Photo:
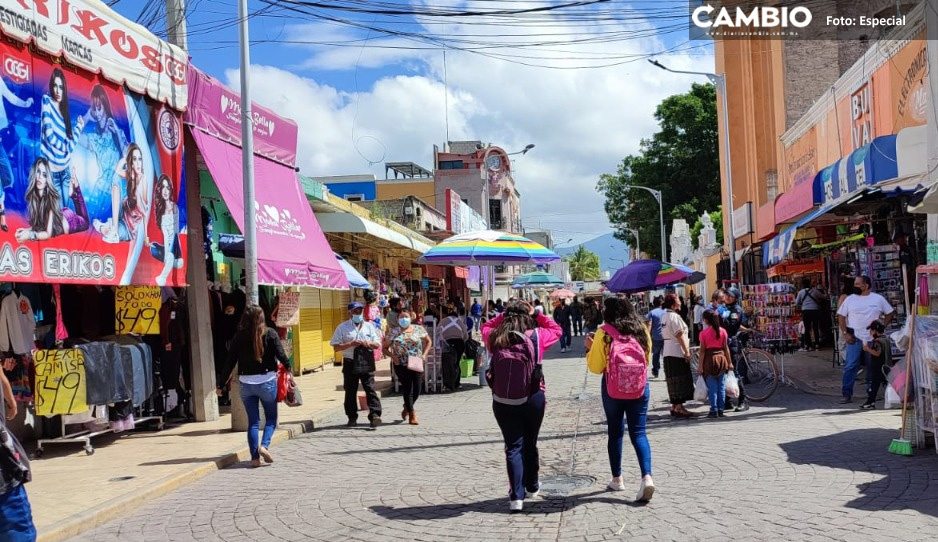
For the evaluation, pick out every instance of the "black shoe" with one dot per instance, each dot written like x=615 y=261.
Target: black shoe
x=720 y=414
x=712 y=414
x=743 y=407
x=352 y=422
x=869 y=405
x=654 y=374
x=376 y=422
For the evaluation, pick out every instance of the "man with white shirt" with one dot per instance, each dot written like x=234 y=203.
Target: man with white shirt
x=357 y=339
x=858 y=311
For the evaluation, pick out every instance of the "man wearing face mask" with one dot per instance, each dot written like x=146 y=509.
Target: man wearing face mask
x=357 y=340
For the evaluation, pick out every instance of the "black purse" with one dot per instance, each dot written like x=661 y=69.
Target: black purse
x=363 y=361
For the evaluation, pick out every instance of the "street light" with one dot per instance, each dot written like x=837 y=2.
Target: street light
x=719 y=80
x=523 y=151
x=657 y=195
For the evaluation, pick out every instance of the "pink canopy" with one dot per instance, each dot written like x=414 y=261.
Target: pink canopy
x=291 y=248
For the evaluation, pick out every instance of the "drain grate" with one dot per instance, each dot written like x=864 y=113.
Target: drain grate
x=562 y=485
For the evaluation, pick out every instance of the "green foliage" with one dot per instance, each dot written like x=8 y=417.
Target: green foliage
x=717 y=218
x=681 y=160
x=584 y=264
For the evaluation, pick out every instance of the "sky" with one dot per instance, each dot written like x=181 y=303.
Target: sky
x=362 y=98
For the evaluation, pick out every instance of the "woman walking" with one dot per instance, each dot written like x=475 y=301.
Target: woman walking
x=517 y=339
x=408 y=345
x=676 y=357
x=715 y=361
x=625 y=327
x=256 y=350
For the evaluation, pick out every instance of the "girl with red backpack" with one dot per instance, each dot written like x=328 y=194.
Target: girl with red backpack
x=621 y=354
x=517 y=339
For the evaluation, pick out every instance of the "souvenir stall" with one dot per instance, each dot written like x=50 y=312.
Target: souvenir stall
x=774 y=313
x=92 y=222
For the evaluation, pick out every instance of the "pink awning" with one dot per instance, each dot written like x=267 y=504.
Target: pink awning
x=797 y=200
x=291 y=248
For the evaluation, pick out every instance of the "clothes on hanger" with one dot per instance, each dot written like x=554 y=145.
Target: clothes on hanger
x=17 y=324
x=174 y=335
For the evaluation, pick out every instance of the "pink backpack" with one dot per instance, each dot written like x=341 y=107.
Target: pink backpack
x=627 y=372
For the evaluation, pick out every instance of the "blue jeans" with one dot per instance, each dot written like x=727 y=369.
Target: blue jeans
x=657 y=346
x=856 y=358
x=635 y=411
x=16 y=517
x=716 y=390
x=565 y=340
x=62 y=180
x=265 y=394
x=520 y=425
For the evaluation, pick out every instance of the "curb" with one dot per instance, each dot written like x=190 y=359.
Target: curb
x=105 y=512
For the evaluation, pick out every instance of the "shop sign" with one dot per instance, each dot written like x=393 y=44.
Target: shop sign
x=93 y=37
x=910 y=83
x=60 y=382
x=288 y=309
x=137 y=310
x=801 y=158
x=216 y=109
x=742 y=220
x=92 y=178
x=861 y=114
x=460 y=217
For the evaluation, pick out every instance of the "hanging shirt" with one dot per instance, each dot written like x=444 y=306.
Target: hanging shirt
x=17 y=324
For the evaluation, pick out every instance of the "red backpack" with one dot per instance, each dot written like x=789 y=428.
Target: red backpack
x=627 y=371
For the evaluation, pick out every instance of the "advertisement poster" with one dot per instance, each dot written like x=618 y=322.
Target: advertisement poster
x=91 y=176
x=60 y=382
x=137 y=310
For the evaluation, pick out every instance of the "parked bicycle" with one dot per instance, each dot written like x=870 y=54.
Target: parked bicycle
x=761 y=373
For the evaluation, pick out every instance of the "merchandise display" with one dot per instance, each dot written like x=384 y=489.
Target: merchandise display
x=772 y=307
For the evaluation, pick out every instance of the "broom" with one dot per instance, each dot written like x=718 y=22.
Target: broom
x=901 y=445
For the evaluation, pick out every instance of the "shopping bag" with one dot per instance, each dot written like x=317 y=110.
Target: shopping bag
x=294 y=398
x=700 y=390
x=732 y=385
x=892 y=398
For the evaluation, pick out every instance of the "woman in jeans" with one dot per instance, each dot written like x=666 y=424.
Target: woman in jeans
x=256 y=349
x=620 y=314
x=715 y=362
x=402 y=343
x=520 y=424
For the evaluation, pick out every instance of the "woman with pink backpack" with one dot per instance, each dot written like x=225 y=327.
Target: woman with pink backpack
x=621 y=354
x=517 y=339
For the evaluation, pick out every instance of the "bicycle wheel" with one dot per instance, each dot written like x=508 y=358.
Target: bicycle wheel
x=694 y=360
x=759 y=374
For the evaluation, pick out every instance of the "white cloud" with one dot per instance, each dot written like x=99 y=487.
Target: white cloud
x=582 y=121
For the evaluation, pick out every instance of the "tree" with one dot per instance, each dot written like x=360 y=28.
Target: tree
x=584 y=265
x=681 y=160
x=717 y=218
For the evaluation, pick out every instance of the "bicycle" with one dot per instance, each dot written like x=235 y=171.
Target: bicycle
x=755 y=366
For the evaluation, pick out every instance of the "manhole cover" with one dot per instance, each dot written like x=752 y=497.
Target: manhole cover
x=564 y=485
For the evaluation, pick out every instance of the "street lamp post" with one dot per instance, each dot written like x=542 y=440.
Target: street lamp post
x=657 y=195
x=719 y=80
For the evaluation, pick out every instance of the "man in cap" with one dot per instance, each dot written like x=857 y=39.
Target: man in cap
x=357 y=340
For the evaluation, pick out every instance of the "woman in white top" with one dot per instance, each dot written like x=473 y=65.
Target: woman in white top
x=167 y=216
x=676 y=357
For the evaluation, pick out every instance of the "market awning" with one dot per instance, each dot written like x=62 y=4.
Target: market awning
x=798 y=199
x=776 y=250
x=351 y=223
x=292 y=249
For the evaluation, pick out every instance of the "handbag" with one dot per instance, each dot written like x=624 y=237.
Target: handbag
x=415 y=364
x=283 y=382
x=294 y=397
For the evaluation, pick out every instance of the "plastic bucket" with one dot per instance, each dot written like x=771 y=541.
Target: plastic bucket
x=465 y=367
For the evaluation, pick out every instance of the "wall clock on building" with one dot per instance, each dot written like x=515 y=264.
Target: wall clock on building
x=494 y=162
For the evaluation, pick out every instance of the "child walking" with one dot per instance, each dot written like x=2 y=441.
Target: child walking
x=715 y=361
x=880 y=351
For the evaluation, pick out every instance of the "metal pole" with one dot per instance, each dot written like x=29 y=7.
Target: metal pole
x=664 y=246
x=176 y=23
x=721 y=86
x=247 y=158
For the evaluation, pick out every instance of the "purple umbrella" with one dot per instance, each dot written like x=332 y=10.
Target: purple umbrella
x=644 y=275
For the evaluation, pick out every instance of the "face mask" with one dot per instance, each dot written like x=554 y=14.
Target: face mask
x=358 y=318
x=404 y=322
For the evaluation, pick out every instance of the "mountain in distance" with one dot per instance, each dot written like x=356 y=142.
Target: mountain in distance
x=607 y=247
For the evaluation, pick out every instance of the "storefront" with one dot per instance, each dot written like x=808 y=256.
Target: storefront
x=292 y=251
x=93 y=221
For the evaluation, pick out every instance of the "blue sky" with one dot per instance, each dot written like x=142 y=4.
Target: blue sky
x=360 y=106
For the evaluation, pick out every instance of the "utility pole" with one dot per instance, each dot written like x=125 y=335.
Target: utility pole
x=247 y=157
x=176 y=23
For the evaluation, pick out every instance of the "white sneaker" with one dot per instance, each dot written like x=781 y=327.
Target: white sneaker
x=516 y=506
x=616 y=486
x=646 y=490
x=532 y=495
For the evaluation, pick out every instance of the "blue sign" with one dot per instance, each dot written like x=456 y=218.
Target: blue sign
x=425 y=284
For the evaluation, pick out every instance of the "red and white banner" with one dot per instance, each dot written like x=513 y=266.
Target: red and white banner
x=93 y=37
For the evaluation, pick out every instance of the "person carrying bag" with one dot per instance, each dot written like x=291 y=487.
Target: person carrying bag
x=715 y=362
x=409 y=345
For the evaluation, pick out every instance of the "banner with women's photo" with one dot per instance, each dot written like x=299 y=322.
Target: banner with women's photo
x=91 y=176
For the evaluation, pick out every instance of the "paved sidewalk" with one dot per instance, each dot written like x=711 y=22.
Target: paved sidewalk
x=72 y=492
x=794 y=468
x=813 y=372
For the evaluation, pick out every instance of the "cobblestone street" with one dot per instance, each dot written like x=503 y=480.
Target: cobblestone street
x=797 y=468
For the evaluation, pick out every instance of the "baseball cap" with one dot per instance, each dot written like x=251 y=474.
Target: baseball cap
x=876 y=326
x=355 y=305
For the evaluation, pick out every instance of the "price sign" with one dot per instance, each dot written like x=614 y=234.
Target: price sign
x=60 y=382
x=288 y=309
x=138 y=310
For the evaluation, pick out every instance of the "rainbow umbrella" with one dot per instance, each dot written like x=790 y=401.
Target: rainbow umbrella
x=644 y=275
x=488 y=247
